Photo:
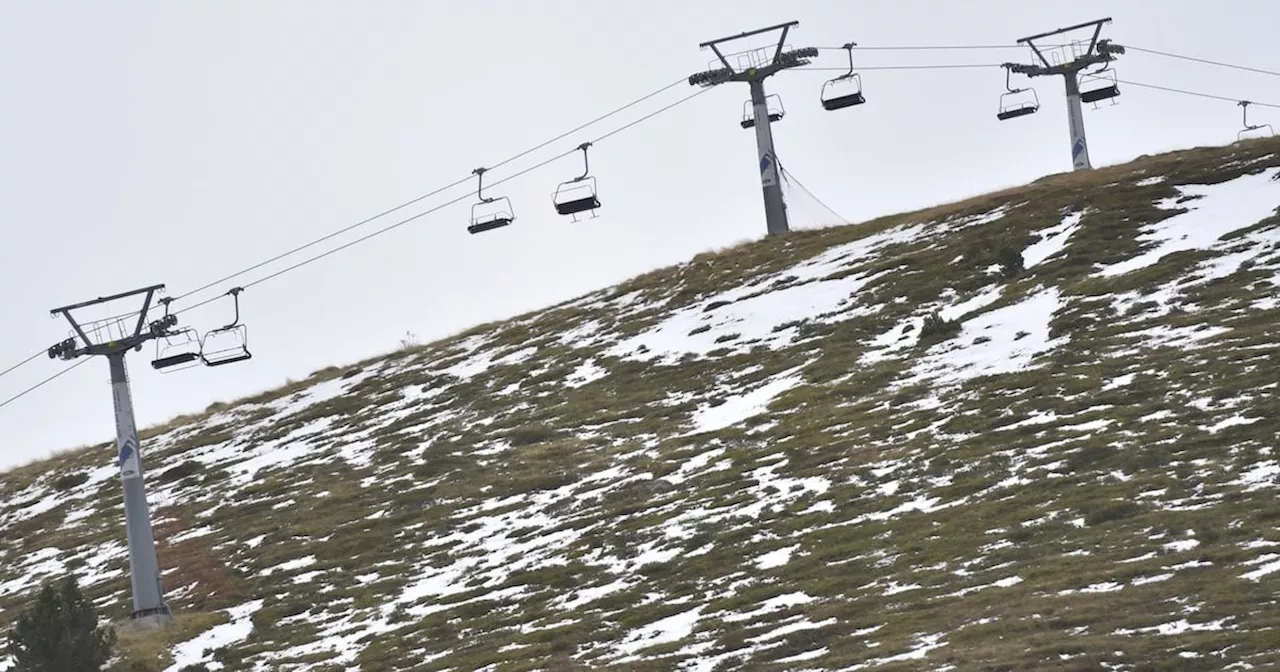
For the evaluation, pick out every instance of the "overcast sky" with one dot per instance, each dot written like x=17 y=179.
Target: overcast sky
x=179 y=142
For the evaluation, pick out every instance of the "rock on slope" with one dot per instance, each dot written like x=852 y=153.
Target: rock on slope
x=1034 y=430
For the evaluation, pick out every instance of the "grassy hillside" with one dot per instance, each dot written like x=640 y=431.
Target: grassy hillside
x=1033 y=430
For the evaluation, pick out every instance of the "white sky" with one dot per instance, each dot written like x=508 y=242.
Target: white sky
x=154 y=142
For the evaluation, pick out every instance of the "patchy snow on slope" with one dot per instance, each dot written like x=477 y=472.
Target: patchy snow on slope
x=48 y=501
x=1268 y=564
x=317 y=393
x=906 y=334
x=1119 y=381
x=773 y=491
x=199 y=649
x=583 y=334
x=1187 y=337
x=1259 y=246
x=925 y=644
x=1261 y=475
x=44 y=563
x=793 y=624
x=902 y=336
x=694 y=465
x=1137 y=305
x=968 y=306
x=343 y=638
x=771 y=605
x=1053 y=240
x=482 y=361
x=90 y=566
x=663 y=631
x=999 y=341
x=584 y=596
x=763 y=310
x=737 y=409
x=489 y=542
x=1176 y=627
x=266 y=455
x=971 y=221
x=587 y=372
x=776 y=558
x=761 y=319
x=1221 y=209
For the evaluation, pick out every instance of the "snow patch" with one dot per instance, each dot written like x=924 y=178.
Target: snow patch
x=1052 y=240
x=1221 y=209
x=200 y=649
x=744 y=406
x=1004 y=340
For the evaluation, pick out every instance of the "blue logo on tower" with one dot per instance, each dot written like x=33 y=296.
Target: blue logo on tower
x=129 y=459
x=1078 y=148
x=767 y=176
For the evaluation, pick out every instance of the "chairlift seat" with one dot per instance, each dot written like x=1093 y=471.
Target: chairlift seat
x=1016 y=103
x=489 y=224
x=228 y=358
x=577 y=205
x=1249 y=131
x=841 y=102
x=846 y=90
x=1014 y=112
x=173 y=350
x=1103 y=93
x=491 y=213
x=750 y=122
x=171 y=361
x=579 y=194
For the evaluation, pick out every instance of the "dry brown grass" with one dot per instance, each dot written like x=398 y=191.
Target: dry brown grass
x=194 y=564
x=22 y=475
x=148 y=650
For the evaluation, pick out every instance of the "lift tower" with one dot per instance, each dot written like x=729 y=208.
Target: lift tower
x=1098 y=52
x=759 y=64
x=113 y=338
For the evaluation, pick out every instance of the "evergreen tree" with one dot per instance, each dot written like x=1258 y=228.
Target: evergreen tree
x=1011 y=262
x=60 y=633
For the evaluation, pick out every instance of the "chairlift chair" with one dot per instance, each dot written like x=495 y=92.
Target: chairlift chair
x=1013 y=104
x=776 y=111
x=845 y=90
x=490 y=212
x=175 y=350
x=1106 y=86
x=579 y=194
x=229 y=343
x=1249 y=128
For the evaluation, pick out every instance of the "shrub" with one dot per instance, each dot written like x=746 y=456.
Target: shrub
x=72 y=480
x=1010 y=260
x=937 y=329
x=60 y=633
